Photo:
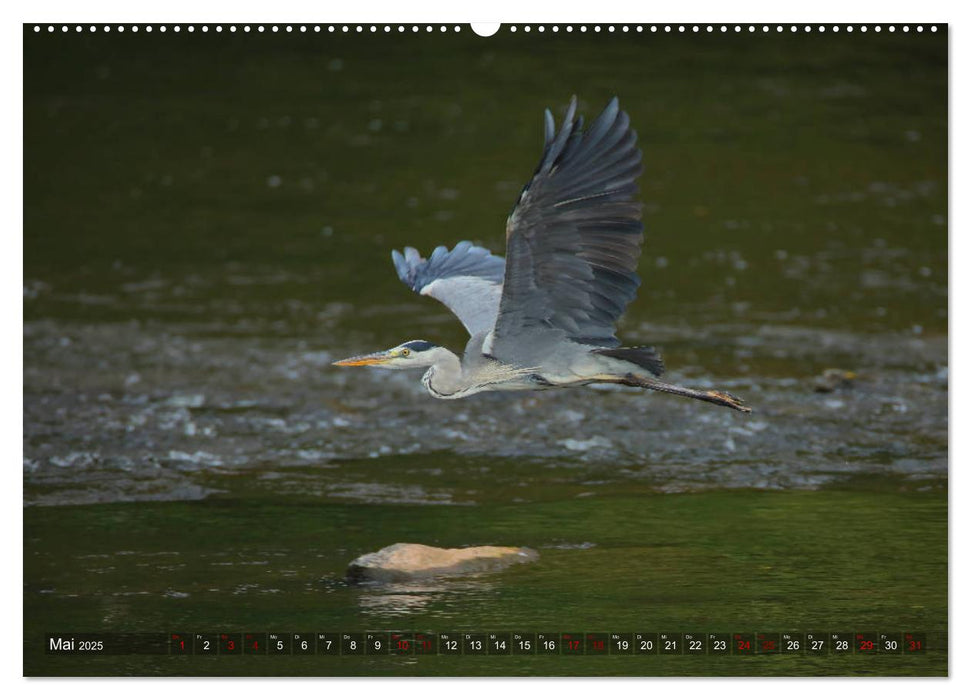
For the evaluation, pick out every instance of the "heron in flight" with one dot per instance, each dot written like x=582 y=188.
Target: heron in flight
x=546 y=315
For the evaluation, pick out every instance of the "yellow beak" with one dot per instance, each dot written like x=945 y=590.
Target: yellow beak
x=375 y=358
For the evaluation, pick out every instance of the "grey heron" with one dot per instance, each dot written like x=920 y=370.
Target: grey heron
x=546 y=315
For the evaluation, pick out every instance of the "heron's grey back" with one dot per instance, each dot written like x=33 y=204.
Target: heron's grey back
x=574 y=238
x=467 y=279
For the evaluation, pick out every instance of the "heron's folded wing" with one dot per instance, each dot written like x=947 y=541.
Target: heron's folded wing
x=467 y=279
x=574 y=237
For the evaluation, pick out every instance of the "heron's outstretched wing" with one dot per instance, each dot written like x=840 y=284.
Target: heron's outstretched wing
x=467 y=279
x=574 y=237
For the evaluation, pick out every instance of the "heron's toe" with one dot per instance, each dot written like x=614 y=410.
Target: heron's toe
x=730 y=400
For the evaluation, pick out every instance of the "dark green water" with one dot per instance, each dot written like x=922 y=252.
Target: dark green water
x=208 y=222
x=797 y=561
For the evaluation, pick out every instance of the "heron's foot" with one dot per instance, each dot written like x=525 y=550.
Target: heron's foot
x=723 y=398
x=720 y=398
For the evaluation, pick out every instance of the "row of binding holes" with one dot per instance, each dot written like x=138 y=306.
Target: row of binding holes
x=344 y=28
x=302 y=28
x=696 y=28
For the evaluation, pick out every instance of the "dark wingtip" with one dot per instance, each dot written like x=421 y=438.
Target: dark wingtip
x=571 y=110
x=549 y=127
x=555 y=144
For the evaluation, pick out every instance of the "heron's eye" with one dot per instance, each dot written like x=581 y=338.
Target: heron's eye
x=405 y=352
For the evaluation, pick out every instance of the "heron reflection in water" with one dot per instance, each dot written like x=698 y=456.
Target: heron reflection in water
x=546 y=315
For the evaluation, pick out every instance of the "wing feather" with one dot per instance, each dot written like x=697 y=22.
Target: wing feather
x=467 y=279
x=574 y=238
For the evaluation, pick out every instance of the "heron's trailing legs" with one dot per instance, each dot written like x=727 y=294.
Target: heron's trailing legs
x=722 y=398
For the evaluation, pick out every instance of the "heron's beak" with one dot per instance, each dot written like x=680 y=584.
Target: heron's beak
x=375 y=358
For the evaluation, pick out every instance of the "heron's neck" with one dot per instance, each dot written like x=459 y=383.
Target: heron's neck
x=444 y=378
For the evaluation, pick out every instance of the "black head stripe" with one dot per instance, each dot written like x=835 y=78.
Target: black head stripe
x=419 y=345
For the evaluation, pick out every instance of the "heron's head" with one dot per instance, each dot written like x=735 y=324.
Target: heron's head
x=410 y=355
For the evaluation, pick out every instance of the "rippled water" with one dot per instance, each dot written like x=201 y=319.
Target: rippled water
x=163 y=408
x=204 y=237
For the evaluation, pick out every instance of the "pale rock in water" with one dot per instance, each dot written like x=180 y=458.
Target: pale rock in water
x=406 y=562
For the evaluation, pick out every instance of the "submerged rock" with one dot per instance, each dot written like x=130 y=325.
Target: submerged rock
x=406 y=562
